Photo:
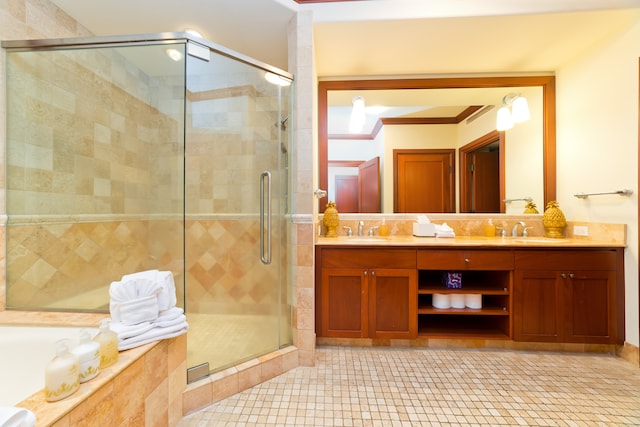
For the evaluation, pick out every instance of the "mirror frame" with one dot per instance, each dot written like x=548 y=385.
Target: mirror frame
x=548 y=84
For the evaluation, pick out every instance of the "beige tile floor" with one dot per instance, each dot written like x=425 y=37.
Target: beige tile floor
x=373 y=386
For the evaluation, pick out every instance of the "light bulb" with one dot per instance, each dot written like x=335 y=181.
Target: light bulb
x=520 y=110
x=504 y=120
x=358 y=117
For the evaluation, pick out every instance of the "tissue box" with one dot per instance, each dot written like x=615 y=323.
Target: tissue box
x=452 y=280
x=424 y=229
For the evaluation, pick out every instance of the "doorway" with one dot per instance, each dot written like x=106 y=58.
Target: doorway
x=482 y=174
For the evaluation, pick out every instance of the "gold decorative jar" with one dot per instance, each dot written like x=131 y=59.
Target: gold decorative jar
x=330 y=220
x=553 y=220
x=530 y=208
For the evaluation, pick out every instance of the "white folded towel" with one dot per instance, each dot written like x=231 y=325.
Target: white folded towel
x=11 y=416
x=139 y=310
x=444 y=230
x=155 y=334
x=127 y=331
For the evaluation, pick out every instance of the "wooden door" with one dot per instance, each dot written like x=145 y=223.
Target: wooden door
x=343 y=301
x=393 y=304
x=423 y=181
x=588 y=298
x=485 y=187
x=369 y=185
x=537 y=312
x=347 y=193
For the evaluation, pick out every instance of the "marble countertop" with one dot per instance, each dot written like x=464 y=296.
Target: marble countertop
x=465 y=241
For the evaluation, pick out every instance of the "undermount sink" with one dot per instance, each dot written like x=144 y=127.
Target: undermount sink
x=538 y=240
x=367 y=238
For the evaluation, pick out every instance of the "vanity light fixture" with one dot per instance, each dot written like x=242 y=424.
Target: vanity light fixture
x=358 y=116
x=515 y=109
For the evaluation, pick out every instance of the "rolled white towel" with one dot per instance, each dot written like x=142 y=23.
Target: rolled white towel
x=167 y=291
x=167 y=296
x=11 y=416
x=119 y=293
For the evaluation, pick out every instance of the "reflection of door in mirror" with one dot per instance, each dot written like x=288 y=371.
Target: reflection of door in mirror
x=361 y=192
x=369 y=185
x=423 y=181
x=482 y=175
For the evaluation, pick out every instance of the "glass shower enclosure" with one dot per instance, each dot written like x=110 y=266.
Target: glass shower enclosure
x=166 y=152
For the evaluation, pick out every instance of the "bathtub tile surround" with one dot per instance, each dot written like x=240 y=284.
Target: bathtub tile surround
x=144 y=387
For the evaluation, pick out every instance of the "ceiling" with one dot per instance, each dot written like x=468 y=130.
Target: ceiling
x=383 y=38
x=377 y=36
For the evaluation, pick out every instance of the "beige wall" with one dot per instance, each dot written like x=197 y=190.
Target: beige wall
x=597 y=142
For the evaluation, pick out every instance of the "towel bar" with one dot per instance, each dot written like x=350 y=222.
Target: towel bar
x=623 y=192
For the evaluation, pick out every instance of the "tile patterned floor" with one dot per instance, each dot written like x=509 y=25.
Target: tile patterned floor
x=373 y=386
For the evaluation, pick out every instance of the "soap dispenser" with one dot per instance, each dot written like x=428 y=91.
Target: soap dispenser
x=88 y=353
x=490 y=229
x=384 y=228
x=62 y=374
x=108 y=341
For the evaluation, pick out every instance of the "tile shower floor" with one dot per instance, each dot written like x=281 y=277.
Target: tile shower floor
x=373 y=386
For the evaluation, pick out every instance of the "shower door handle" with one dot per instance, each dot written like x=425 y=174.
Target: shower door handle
x=265 y=259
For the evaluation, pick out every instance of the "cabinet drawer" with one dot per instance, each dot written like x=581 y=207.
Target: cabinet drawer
x=569 y=260
x=368 y=258
x=465 y=260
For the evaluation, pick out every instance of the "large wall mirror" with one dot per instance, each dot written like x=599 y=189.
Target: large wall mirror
x=450 y=119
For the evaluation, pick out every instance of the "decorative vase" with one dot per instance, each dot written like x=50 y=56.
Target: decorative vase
x=530 y=208
x=331 y=220
x=553 y=220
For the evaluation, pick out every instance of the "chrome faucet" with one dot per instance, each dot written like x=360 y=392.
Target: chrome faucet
x=514 y=230
x=373 y=229
x=361 y=228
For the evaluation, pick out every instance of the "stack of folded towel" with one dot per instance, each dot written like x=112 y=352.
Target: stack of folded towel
x=143 y=309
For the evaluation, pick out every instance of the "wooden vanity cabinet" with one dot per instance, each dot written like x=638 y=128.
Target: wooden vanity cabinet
x=485 y=272
x=572 y=296
x=366 y=293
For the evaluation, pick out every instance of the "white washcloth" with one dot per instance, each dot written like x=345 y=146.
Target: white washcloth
x=119 y=293
x=11 y=416
x=154 y=334
x=167 y=291
x=444 y=230
x=128 y=331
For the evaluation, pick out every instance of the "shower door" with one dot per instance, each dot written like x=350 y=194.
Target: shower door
x=237 y=299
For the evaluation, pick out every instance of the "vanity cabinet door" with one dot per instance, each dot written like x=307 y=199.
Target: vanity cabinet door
x=568 y=296
x=537 y=306
x=366 y=293
x=343 y=303
x=393 y=303
x=589 y=306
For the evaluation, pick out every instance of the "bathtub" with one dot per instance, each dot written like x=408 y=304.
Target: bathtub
x=24 y=354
